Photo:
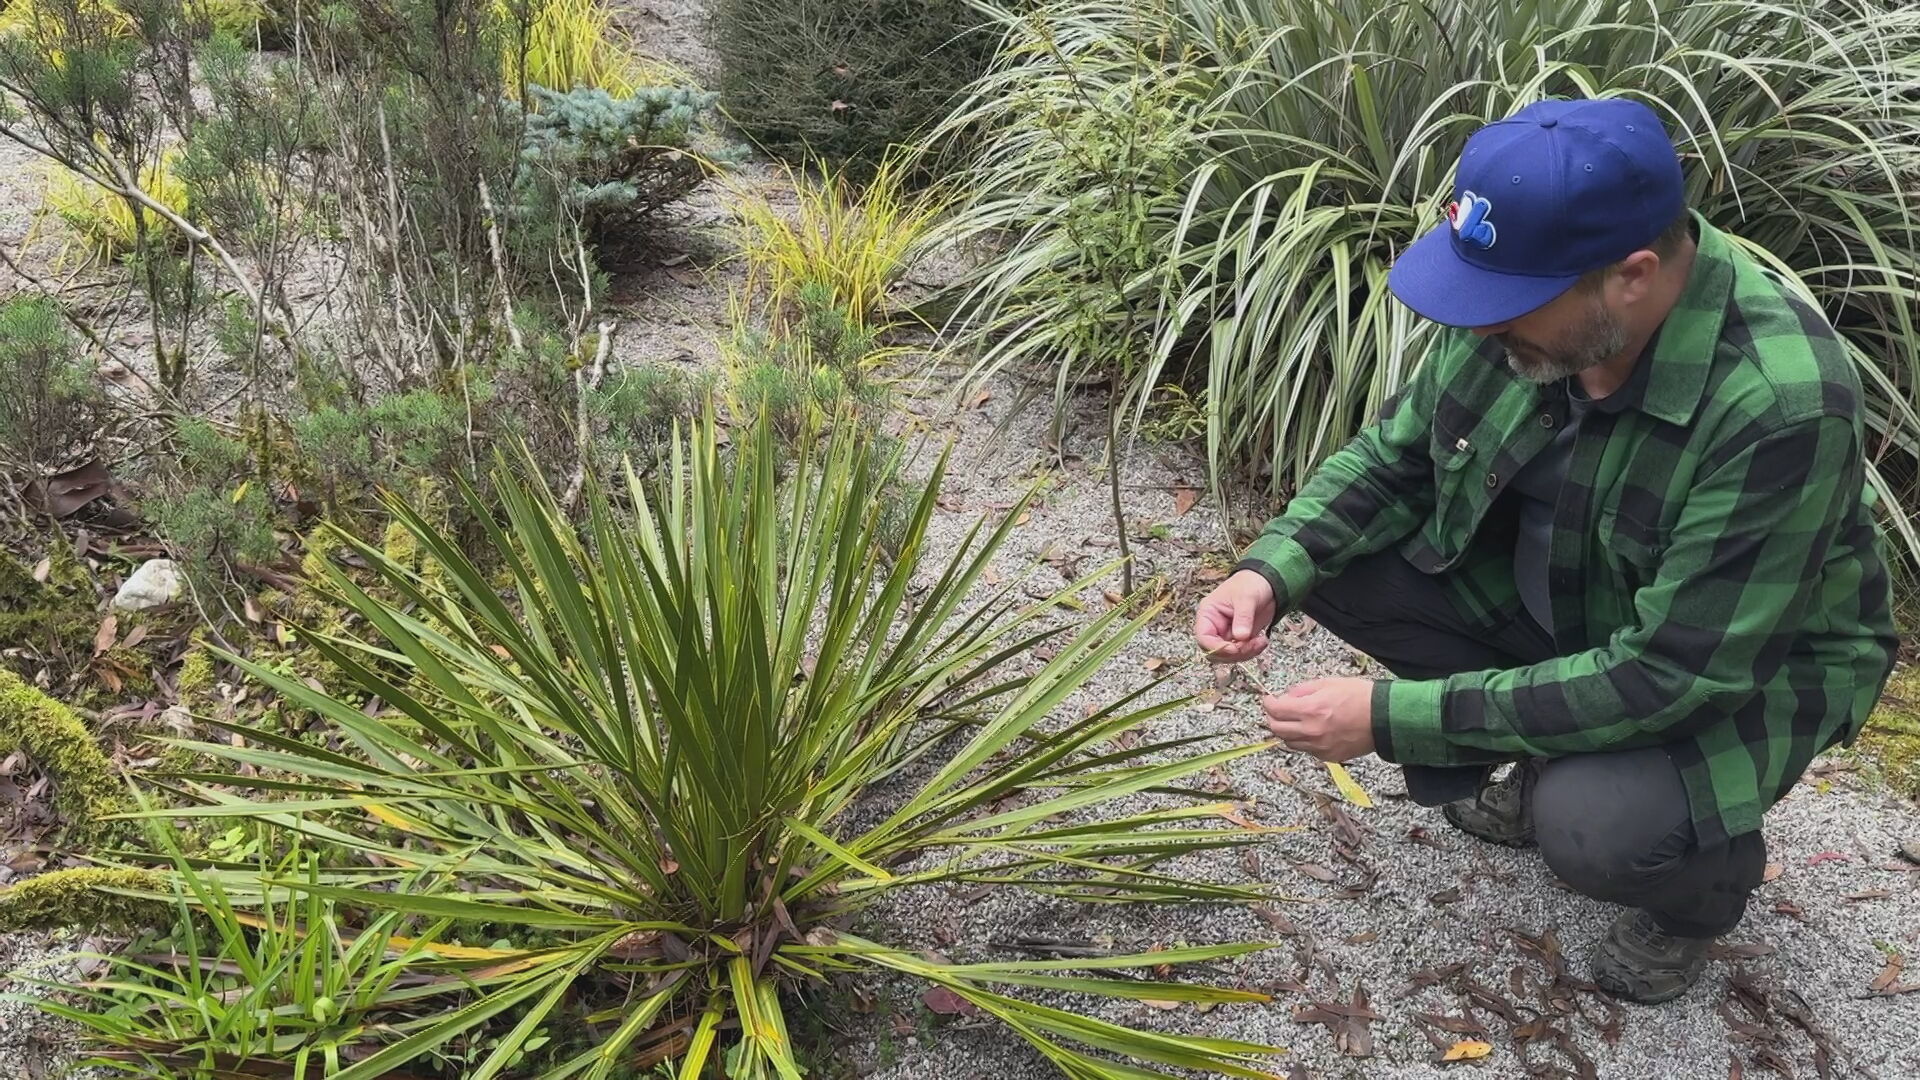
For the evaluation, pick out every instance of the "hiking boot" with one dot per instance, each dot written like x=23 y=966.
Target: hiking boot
x=1502 y=811
x=1640 y=962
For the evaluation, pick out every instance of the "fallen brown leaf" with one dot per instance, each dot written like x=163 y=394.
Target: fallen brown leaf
x=1772 y=871
x=104 y=637
x=1433 y=976
x=1788 y=907
x=1366 y=937
x=1459 y=1025
x=1316 y=871
x=947 y=1003
x=1767 y=1058
x=1828 y=856
x=1867 y=894
x=1154 y=663
x=1183 y=500
x=1889 y=975
x=1113 y=597
x=1280 y=923
x=64 y=494
x=1445 y=896
x=43 y=570
x=1350 y=1024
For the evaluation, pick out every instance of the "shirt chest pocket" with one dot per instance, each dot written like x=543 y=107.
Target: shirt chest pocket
x=1632 y=548
x=1457 y=493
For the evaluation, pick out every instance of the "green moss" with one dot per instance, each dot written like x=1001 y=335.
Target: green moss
x=1891 y=739
x=400 y=545
x=67 y=574
x=196 y=679
x=84 y=897
x=85 y=787
x=15 y=579
x=56 y=618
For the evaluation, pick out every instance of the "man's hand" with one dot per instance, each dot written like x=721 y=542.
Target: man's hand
x=1332 y=719
x=1231 y=623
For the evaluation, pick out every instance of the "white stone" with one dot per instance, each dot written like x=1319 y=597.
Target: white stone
x=155 y=584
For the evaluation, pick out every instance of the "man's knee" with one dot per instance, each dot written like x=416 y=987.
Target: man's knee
x=1612 y=825
x=1374 y=598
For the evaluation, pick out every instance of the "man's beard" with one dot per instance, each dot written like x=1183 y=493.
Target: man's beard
x=1599 y=337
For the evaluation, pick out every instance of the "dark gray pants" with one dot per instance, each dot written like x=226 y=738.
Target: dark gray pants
x=1614 y=826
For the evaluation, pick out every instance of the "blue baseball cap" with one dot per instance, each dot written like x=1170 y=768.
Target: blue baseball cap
x=1540 y=198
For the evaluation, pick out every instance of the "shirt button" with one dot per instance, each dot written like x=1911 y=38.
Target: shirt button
x=1493 y=479
x=1546 y=419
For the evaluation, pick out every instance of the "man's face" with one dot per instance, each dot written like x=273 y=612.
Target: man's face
x=1574 y=332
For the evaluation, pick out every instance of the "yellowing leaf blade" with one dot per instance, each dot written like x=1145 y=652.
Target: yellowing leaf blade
x=1350 y=788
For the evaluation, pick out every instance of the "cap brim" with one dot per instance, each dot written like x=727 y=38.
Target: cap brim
x=1431 y=278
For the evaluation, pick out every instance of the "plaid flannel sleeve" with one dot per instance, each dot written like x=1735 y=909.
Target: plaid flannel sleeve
x=1368 y=494
x=1712 y=628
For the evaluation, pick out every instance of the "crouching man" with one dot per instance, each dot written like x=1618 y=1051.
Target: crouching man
x=1615 y=531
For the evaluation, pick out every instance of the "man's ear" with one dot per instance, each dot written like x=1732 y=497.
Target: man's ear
x=1633 y=277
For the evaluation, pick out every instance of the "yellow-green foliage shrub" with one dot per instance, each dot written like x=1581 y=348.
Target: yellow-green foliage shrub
x=46 y=24
x=855 y=240
x=241 y=18
x=104 y=222
x=571 y=44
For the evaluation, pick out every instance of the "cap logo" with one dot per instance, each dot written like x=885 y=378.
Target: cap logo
x=1469 y=219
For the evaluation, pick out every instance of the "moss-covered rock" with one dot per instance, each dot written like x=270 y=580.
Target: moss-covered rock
x=87 y=896
x=56 y=618
x=86 y=787
x=1891 y=739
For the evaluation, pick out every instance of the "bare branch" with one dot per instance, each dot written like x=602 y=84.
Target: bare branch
x=585 y=381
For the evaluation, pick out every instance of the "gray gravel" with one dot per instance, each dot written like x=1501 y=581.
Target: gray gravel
x=31 y=1043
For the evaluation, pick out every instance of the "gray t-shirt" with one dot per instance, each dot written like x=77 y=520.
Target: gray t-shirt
x=1537 y=485
x=1538 y=488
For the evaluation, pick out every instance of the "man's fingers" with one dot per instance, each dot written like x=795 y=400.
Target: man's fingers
x=1242 y=622
x=1283 y=709
x=1211 y=644
x=1221 y=651
x=1290 y=736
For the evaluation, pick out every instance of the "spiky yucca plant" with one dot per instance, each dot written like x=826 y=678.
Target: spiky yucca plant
x=1322 y=136
x=654 y=747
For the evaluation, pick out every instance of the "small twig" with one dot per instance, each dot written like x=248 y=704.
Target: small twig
x=585 y=382
x=500 y=267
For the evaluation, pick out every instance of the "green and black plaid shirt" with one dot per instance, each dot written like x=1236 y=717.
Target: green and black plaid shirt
x=1716 y=574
